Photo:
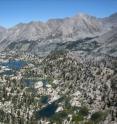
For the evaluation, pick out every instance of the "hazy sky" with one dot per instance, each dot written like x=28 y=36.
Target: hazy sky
x=16 y=11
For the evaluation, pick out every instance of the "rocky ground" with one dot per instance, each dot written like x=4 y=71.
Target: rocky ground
x=60 y=88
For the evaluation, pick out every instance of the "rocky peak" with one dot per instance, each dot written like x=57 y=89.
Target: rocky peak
x=76 y=26
x=111 y=20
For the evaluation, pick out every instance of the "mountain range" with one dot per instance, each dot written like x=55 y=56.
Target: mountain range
x=63 y=71
x=42 y=38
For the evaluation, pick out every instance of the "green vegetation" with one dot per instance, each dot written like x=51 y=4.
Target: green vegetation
x=58 y=117
x=77 y=118
x=49 y=80
x=44 y=99
x=84 y=111
x=89 y=122
x=98 y=116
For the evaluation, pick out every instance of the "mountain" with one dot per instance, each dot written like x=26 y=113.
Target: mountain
x=42 y=38
x=80 y=25
x=111 y=20
x=63 y=71
x=108 y=43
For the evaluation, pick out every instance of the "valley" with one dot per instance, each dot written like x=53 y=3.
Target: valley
x=57 y=89
x=63 y=71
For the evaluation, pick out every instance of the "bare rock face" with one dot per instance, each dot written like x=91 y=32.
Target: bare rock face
x=108 y=43
x=75 y=27
x=111 y=20
x=30 y=31
x=34 y=37
x=80 y=25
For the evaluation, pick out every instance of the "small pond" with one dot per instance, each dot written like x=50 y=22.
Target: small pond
x=47 y=111
x=14 y=64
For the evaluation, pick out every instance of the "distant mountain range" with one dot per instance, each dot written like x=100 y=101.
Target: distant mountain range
x=42 y=38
